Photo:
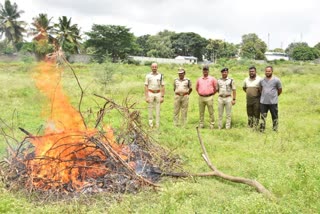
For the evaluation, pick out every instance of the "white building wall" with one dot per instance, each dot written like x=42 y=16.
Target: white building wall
x=162 y=60
x=270 y=56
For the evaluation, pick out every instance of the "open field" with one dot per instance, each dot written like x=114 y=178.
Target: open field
x=287 y=162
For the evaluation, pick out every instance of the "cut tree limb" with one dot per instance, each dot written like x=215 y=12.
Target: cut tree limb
x=215 y=172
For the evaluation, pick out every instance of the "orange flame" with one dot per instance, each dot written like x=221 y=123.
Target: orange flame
x=63 y=115
x=66 y=153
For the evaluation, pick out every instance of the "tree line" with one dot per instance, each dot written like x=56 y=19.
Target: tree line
x=117 y=42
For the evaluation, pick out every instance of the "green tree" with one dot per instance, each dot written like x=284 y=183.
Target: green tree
x=317 y=46
x=189 y=44
x=279 y=50
x=217 y=49
x=252 y=47
x=305 y=53
x=27 y=47
x=111 y=40
x=143 y=48
x=42 y=27
x=6 y=48
x=9 y=25
x=160 y=45
x=67 y=35
x=213 y=49
x=42 y=31
x=293 y=45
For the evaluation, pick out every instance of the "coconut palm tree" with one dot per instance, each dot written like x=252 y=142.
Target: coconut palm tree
x=42 y=32
x=9 y=25
x=67 y=35
x=42 y=28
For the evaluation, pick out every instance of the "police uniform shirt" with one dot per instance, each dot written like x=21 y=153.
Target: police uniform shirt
x=226 y=86
x=154 y=82
x=182 y=86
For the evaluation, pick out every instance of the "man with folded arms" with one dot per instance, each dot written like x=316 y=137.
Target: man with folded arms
x=206 y=87
x=227 y=97
x=154 y=92
x=251 y=86
x=182 y=89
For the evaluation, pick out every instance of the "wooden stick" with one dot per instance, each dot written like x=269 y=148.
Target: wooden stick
x=215 y=172
x=81 y=90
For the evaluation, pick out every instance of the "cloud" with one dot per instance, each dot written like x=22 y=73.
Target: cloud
x=284 y=21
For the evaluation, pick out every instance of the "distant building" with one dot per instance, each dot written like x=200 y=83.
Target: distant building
x=188 y=59
x=177 y=60
x=270 y=56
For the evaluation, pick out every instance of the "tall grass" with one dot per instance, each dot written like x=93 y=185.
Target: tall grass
x=286 y=162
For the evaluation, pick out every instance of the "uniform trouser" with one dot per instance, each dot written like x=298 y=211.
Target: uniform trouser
x=264 y=108
x=203 y=102
x=225 y=103
x=154 y=103
x=253 y=111
x=180 y=107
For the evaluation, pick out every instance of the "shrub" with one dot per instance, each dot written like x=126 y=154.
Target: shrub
x=105 y=72
x=147 y=63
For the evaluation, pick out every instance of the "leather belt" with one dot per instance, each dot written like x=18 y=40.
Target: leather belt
x=225 y=95
x=208 y=95
x=154 y=91
x=182 y=94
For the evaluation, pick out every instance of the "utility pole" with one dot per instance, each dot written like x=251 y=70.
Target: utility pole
x=268 y=41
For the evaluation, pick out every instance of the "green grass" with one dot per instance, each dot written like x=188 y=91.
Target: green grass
x=286 y=162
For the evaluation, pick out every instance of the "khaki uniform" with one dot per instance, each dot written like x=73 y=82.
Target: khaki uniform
x=253 y=88
x=181 y=100
x=225 y=88
x=154 y=84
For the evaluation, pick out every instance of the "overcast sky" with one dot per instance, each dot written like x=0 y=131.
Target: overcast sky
x=285 y=21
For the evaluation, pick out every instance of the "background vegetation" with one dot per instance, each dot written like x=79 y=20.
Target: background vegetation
x=286 y=162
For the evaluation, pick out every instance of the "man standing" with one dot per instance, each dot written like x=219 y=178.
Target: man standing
x=154 y=92
x=251 y=86
x=206 y=87
x=271 y=88
x=182 y=89
x=227 y=97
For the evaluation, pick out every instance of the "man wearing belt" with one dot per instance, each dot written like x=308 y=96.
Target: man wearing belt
x=227 y=97
x=251 y=86
x=182 y=88
x=271 y=88
x=206 y=87
x=154 y=92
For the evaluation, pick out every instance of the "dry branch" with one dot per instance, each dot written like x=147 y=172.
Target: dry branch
x=215 y=172
x=80 y=87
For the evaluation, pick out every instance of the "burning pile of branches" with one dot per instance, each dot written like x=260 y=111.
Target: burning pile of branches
x=85 y=162
x=72 y=158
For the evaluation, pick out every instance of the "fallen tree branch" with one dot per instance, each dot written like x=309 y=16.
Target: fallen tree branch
x=215 y=172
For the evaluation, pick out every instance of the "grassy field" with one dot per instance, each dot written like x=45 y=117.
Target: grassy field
x=287 y=162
